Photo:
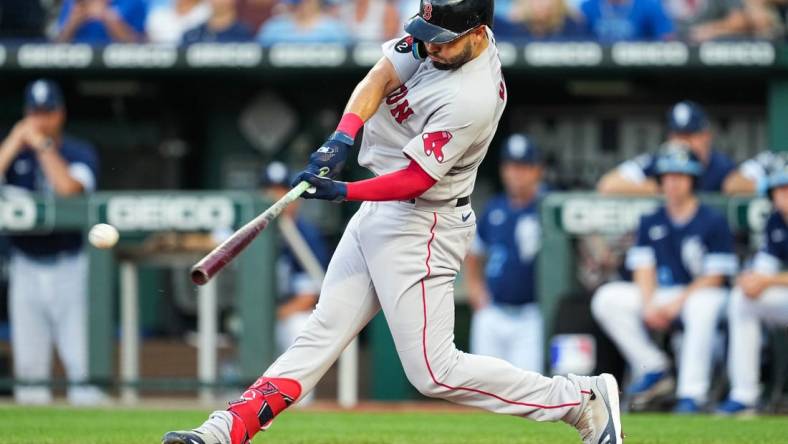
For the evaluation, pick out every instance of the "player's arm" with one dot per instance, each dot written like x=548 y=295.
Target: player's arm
x=738 y=184
x=618 y=182
x=11 y=147
x=57 y=172
x=645 y=279
x=379 y=82
x=298 y=303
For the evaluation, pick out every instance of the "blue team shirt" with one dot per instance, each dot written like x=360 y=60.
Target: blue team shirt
x=235 y=33
x=634 y=20
x=570 y=30
x=510 y=238
x=680 y=253
x=775 y=251
x=133 y=13
x=714 y=173
x=26 y=173
x=292 y=279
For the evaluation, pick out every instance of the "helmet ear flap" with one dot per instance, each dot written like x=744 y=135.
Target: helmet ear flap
x=419 y=49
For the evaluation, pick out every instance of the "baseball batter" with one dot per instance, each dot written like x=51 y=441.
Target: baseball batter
x=430 y=108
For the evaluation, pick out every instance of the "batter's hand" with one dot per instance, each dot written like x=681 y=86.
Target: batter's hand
x=323 y=188
x=331 y=155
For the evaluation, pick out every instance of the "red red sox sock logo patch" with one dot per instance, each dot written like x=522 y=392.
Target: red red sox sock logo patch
x=434 y=143
x=427 y=14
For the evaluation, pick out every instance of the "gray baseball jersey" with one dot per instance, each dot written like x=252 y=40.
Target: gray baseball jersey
x=443 y=120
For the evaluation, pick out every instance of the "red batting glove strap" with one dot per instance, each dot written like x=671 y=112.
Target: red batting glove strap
x=350 y=124
x=408 y=183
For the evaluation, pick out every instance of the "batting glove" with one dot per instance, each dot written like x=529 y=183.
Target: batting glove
x=323 y=188
x=332 y=155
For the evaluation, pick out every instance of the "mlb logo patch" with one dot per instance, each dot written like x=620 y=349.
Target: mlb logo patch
x=434 y=143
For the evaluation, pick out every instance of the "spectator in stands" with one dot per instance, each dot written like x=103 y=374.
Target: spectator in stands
x=765 y=19
x=253 y=13
x=689 y=126
x=48 y=272
x=102 y=21
x=21 y=19
x=761 y=295
x=501 y=267
x=752 y=175
x=168 y=21
x=222 y=26
x=611 y=21
x=540 y=20
x=305 y=21
x=371 y=20
x=702 y=20
x=682 y=255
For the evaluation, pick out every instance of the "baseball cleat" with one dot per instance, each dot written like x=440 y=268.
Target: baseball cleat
x=600 y=420
x=650 y=387
x=215 y=430
x=735 y=408
x=686 y=406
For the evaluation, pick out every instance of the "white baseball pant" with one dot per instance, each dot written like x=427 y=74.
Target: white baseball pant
x=744 y=346
x=618 y=308
x=404 y=258
x=48 y=305
x=512 y=333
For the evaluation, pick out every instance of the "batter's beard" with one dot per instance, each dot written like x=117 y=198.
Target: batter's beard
x=457 y=62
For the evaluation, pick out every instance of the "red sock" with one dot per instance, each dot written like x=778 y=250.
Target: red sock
x=259 y=404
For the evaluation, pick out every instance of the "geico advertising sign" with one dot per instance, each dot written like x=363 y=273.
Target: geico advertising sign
x=586 y=216
x=152 y=213
x=17 y=213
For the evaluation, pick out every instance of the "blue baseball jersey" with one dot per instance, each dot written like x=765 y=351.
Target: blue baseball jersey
x=714 y=172
x=703 y=246
x=510 y=238
x=633 y=20
x=775 y=251
x=25 y=172
x=133 y=13
x=292 y=279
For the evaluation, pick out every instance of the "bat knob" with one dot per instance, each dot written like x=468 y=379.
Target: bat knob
x=199 y=276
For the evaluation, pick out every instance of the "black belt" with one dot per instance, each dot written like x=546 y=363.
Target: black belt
x=461 y=202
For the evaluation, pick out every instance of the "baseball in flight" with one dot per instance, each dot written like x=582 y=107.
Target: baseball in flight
x=103 y=236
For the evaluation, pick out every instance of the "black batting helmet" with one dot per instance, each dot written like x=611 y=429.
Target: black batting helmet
x=441 y=21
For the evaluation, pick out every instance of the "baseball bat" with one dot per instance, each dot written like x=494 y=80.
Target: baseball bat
x=219 y=257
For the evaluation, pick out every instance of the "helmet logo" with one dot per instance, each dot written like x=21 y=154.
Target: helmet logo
x=427 y=13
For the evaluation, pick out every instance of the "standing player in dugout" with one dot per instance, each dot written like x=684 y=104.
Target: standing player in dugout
x=429 y=108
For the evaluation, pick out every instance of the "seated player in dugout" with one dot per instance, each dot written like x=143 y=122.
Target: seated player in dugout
x=680 y=261
x=760 y=296
x=752 y=176
x=501 y=267
x=687 y=125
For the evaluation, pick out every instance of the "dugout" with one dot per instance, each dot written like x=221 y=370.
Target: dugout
x=208 y=116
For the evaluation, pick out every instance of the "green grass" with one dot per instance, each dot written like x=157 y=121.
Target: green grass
x=60 y=425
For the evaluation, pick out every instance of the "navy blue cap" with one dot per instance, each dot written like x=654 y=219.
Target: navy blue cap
x=43 y=94
x=687 y=117
x=275 y=174
x=521 y=149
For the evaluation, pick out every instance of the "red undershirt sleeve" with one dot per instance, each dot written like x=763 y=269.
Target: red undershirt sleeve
x=404 y=184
